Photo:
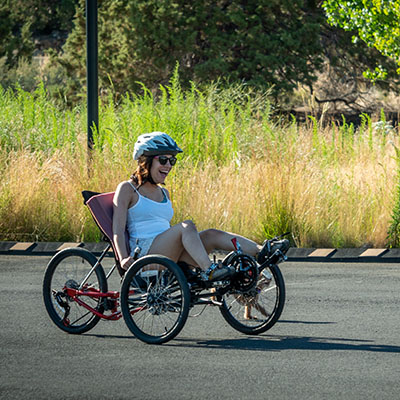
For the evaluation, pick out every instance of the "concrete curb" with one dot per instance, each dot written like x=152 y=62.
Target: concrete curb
x=294 y=254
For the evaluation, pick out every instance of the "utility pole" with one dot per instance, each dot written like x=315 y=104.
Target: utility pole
x=91 y=72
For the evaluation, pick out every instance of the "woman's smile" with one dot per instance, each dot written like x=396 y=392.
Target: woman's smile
x=161 y=174
x=164 y=173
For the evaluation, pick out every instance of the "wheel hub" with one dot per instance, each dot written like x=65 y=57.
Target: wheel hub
x=155 y=302
x=71 y=284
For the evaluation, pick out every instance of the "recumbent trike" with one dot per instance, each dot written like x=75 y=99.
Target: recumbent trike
x=156 y=293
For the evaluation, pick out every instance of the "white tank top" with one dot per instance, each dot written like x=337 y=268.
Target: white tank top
x=148 y=218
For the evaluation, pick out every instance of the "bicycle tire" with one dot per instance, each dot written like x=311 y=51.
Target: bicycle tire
x=155 y=299
x=233 y=305
x=69 y=267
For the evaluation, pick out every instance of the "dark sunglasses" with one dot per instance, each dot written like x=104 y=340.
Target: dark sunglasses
x=163 y=160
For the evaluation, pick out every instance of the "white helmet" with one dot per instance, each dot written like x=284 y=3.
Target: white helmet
x=155 y=143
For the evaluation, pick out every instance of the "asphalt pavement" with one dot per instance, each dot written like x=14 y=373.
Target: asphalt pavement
x=338 y=338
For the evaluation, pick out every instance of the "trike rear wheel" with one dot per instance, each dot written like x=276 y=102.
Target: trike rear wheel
x=155 y=299
x=257 y=310
x=67 y=269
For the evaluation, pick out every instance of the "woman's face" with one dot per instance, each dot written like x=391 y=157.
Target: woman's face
x=160 y=167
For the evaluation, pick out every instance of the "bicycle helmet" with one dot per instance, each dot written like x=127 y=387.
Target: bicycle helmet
x=155 y=143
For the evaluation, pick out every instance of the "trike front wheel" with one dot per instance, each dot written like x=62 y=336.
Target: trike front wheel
x=155 y=299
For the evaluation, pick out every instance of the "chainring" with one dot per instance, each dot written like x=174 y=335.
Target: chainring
x=246 y=274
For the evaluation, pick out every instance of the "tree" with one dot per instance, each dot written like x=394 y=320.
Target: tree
x=15 y=35
x=117 y=61
x=278 y=43
x=22 y=21
x=262 y=43
x=259 y=42
x=377 y=23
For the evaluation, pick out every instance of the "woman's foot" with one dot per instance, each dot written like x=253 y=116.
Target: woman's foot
x=270 y=247
x=217 y=271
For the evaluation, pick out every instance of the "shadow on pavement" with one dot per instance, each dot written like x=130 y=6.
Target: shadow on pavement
x=306 y=322
x=107 y=336
x=279 y=343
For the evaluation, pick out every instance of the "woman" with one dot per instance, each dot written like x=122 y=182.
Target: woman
x=145 y=208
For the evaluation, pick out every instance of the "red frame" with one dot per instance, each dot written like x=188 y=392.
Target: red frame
x=75 y=294
x=101 y=208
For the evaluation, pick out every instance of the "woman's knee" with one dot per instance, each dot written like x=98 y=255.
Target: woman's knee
x=188 y=225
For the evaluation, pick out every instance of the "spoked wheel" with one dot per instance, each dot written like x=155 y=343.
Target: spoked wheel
x=257 y=310
x=67 y=269
x=155 y=299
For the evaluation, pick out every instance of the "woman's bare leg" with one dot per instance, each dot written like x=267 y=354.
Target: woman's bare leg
x=179 y=239
x=207 y=241
x=214 y=239
x=183 y=242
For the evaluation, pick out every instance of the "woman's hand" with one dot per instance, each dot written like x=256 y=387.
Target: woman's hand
x=126 y=262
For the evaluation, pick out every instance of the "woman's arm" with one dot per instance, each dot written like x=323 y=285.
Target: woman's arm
x=123 y=198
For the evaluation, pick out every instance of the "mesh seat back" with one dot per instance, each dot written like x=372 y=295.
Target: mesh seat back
x=101 y=208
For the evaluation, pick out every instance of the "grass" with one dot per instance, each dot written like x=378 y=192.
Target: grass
x=242 y=170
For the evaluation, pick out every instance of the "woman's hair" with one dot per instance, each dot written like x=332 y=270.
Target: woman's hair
x=142 y=173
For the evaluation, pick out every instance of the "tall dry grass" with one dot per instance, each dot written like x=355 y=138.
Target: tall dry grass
x=344 y=202
x=241 y=171
x=347 y=202
x=40 y=195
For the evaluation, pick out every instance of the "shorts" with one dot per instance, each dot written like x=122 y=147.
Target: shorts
x=144 y=245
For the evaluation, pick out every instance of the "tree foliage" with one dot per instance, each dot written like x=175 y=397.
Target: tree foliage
x=116 y=51
x=22 y=21
x=259 y=42
x=262 y=43
x=377 y=23
x=15 y=36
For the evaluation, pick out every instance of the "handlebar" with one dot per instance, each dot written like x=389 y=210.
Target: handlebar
x=280 y=236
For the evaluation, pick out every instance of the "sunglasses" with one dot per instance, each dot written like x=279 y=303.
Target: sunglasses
x=163 y=160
